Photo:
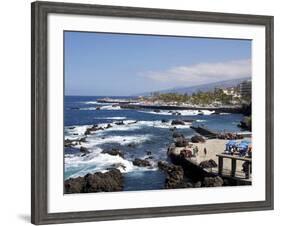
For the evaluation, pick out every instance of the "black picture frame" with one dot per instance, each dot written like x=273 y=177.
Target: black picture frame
x=39 y=192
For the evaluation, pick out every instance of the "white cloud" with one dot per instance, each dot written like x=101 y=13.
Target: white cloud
x=202 y=73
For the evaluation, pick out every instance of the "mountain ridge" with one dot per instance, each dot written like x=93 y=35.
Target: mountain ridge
x=204 y=87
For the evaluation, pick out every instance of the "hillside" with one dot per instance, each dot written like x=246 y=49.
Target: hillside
x=203 y=87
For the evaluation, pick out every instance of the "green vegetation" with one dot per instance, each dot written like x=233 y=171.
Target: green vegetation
x=200 y=98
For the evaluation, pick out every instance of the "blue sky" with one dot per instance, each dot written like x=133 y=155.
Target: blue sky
x=119 y=64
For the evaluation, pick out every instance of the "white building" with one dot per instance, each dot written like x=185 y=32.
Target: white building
x=246 y=88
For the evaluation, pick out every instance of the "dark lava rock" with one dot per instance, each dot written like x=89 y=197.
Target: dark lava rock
x=164 y=165
x=108 y=126
x=213 y=181
x=177 y=122
x=68 y=143
x=226 y=182
x=83 y=139
x=176 y=135
x=117 y=165
x=174 y=176
x=149 y=157
x=246 y=124
x=119 y=123
x=96 y=128
x=74 y=185
x=97 y=108
x=131 y=145
x=198 y=184
x=141 y=162
x=157 y=110
x=208 y=164
x=97 y=182
x=213 y=163
x=134 y=122
x=181 y=142
x=230 y=136
x=164 y=120
x=149 y=153
x=87 y=132
x=84 y=150
x=173 y=129
x=176 y=113
x=197 y=139
x=113 y=151
x=188 y=120
x=92 y=129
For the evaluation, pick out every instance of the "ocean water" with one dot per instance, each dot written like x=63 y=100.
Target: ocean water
x=135 y=140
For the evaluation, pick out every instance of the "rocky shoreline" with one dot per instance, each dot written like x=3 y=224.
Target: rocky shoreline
x=224 y=109
x=180 y=172
x=97 y=182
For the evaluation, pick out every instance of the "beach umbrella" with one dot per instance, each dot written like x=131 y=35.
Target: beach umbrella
x=246 y=142
x=231 y=143
x=243 y=147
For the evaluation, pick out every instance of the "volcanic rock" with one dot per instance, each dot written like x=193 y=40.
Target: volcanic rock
x=177 y=122
x=141 y=162
x=84 y=150
x=114 y=152
x=181 y=142
x=177 y=135
x=213 y=181
x=174 y=176
x=208 y=164
x=197 y=139
x=97 y=182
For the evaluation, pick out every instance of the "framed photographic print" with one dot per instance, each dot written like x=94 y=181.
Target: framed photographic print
x=140 y=112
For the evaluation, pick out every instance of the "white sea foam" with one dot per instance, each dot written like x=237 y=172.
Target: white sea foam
x=110 y=107
x=159 y=124
x=200 y=120
x=75 y=132
x=94 y=102
x=95 y=161
x=112 y=118
x=122 y=140
x=129 y=125
x=98 y=162
x=207 y=112
x=106 y=107
x=182 y=112
x=88 y=109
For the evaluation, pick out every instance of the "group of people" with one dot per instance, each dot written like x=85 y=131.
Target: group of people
x=195 y=152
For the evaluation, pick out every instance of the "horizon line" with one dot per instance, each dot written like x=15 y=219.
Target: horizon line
x=90 y=95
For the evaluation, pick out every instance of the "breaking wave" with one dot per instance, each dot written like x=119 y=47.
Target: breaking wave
x=180 y=112
x=106 y=107
x=79 y=165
